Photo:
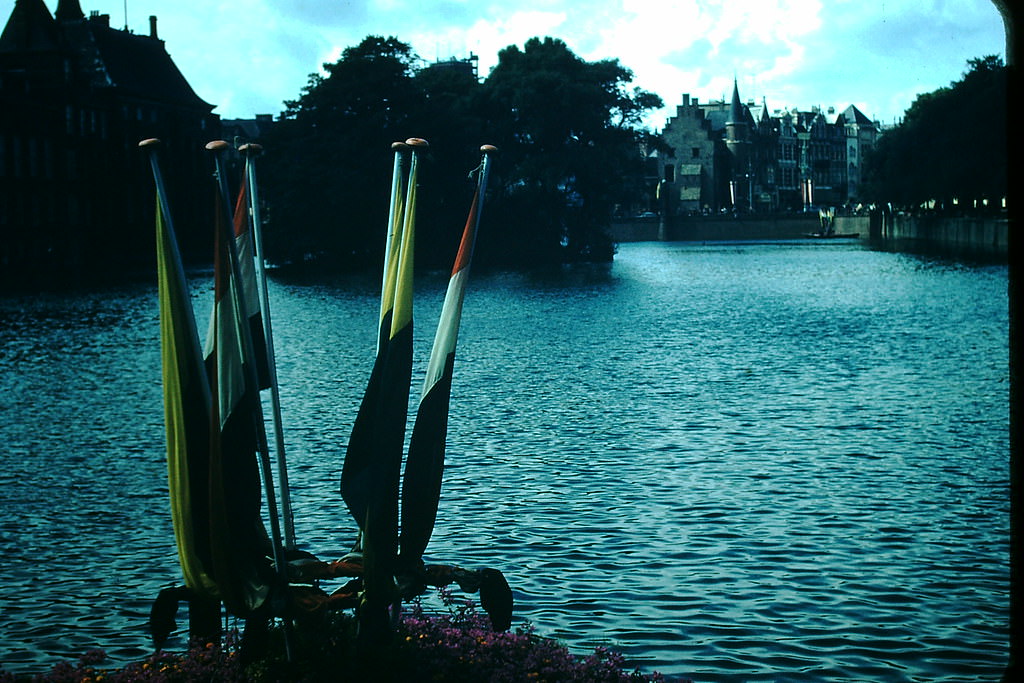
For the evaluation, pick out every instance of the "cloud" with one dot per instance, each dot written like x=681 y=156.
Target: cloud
x=326 y=14
x=248 y=56
x=486 y=37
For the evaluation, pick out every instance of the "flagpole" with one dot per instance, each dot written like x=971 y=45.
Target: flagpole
x=150 y=146
x=400 y=149
x=421 y=484
x=360 y=452
x=204 y=611
x=218 y=148
x=378 y=452
x=251 y=151
x=405 y=250
x=485 y=170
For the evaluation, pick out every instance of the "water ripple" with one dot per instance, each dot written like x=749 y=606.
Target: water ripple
x=762 y=463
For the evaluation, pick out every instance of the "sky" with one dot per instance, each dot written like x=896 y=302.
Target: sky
x=249 y=56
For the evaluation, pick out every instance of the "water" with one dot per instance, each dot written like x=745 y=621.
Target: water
x=757 y=462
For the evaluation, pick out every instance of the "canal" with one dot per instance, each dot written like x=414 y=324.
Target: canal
x=733 y=461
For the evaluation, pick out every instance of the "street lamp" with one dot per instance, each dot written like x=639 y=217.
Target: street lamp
x=805 y=180
x=750 y=187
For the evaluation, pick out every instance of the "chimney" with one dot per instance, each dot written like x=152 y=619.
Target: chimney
x=152 y=26
x=686 y=100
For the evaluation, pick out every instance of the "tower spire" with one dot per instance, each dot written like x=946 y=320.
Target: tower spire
x=69 y=10
x=735 y=108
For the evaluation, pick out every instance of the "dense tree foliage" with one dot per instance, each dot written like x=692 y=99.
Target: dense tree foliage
x=950 y=145
x=327 y=171
x=567 y=131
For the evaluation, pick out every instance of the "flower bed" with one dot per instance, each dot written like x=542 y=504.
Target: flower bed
x=458 y=645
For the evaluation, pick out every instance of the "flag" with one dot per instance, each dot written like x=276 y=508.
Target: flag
x=373 y=459
x=421 y=483
x=381 y=528
x=186 y=393
x=245 y=247
x=359 y=454
x=238 y=538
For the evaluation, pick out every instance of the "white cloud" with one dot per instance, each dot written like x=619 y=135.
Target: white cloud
x=486 y=37
x=248 y=56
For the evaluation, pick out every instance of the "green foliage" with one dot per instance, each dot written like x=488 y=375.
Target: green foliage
x=951 y=143
x=566 y=130
x=328 y=169
x=446 y=117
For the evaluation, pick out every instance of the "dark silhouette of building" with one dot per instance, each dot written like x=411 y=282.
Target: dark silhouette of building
x=76 y=97
x=241 y=131
x=468 y=65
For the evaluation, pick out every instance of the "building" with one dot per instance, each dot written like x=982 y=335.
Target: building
x=691 y=182
x=735 y=156
x=76 y=97
x=469 y=66
x=241 y=131
x=861 y=136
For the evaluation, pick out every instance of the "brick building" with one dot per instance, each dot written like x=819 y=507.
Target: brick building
x=739 y=156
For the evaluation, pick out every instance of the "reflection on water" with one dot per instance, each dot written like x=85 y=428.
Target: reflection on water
x=753 y=461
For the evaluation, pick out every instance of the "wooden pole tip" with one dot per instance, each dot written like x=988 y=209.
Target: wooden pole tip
x=149 y=142
x=251 y=148
x=488 y=149
x=417 y=143
x=217 y=145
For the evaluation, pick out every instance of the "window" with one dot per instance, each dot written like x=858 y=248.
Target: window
x=33 y=158
x=695 y=153
x=16 y=156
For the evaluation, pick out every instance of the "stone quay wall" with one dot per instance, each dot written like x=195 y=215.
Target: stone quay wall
x=985 y=237
x=982 y=237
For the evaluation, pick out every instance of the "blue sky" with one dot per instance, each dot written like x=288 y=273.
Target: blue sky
x=248 y=56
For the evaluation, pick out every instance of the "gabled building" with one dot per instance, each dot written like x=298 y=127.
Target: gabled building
x=751 y=160
x=692 y=168
x=861 y=137
x=76 y=97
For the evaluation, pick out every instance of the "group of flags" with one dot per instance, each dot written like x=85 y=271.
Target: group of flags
x=217 y=451
x=393 y=546
x=218 y=456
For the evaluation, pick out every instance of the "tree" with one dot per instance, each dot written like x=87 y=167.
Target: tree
x=567 y=131
x=951 y=144
x=448 y=118
x=331 y=169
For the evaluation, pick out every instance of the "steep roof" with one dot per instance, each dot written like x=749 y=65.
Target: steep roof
x=30 y=28
x=69 y=10
x=735 y=107
x=139 y=65
x=132 y=65
x=716 y=114
x=855 y=115
x=758 y=112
